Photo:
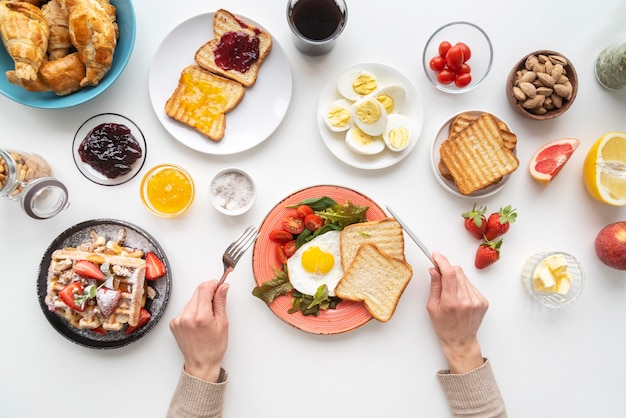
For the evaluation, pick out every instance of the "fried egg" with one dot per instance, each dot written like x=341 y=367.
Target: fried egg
x=370 y=116
x=356 y=84
x=338 y=115
x=392 y=97
x=315 y=263
x=362 y=143
x=397 y=135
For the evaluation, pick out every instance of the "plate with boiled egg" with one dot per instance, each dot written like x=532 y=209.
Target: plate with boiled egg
x=321 y=250
x=370 y=116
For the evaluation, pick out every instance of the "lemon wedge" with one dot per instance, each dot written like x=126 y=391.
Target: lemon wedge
x=604 y=169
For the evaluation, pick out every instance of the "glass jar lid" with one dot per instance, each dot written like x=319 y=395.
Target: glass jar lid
x=44 y=198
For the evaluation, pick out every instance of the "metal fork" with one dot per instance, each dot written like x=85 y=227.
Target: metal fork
x=236 y=249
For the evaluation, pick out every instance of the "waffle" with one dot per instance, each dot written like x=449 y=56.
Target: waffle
x=127 y=268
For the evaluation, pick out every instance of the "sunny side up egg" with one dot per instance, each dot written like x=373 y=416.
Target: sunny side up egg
x=315 y=263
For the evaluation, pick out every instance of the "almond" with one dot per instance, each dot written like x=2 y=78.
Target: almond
x=528 y=89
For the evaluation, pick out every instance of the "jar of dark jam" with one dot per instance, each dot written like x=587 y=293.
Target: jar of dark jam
x=27 y=178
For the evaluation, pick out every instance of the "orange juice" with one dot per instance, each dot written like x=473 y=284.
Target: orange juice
x=167 y=190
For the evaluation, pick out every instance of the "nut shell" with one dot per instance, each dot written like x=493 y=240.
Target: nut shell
x=552 y=76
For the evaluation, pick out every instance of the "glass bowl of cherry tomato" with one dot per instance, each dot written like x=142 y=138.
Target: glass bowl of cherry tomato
x=457 y=57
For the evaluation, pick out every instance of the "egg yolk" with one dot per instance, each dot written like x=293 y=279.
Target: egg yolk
x=364 y=84
x=361 y=138
x=398 y=137
x=368 y=112
x=316 y=261
x=387 y=102
x=338 y=116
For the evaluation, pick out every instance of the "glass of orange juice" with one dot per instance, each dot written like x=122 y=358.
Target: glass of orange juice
x=167 y=190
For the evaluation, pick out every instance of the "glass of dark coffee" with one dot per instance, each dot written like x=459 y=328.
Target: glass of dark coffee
x=316 y=24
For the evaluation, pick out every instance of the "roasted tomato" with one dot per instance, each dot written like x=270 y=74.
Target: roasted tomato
x=280 y=235
x=293 y=224
x=313 y=222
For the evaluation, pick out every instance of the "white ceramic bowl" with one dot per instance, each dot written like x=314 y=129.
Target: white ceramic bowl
x=232 y=191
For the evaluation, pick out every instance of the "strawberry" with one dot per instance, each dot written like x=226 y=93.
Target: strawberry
x=499 y=222
x=154 y=266
x=70 y=294
x=487 y=253
x=107 y=300
x=475 y=221
x=88 y=269
x=144 y=317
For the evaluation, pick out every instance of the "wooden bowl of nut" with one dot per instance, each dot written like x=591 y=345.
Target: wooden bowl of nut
x=542 y=85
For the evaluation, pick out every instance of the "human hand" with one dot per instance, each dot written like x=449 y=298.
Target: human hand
x=456 y=310
x=201 y=331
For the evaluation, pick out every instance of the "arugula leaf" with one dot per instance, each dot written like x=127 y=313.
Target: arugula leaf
x=316 y=203
x=313 y=305
x=345 y=214
x=271 y=289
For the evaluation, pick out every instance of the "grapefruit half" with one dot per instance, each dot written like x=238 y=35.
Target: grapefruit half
x=550 y=159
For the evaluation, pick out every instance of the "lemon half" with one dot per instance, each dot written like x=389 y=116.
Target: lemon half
x=604 y=169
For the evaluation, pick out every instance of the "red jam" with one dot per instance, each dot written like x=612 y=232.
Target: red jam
x=110 y=149
x=237 y=51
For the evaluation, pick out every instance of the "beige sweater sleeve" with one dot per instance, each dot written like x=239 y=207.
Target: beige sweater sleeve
x=474 y=394
x=195 y=398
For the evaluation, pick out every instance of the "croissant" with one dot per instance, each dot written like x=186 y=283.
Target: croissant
x=94 y=34
x=24 y=32
x=59 y=42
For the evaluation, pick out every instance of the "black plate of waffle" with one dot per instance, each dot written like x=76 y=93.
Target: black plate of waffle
x=135 y=238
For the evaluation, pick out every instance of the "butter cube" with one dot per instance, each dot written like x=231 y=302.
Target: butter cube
x=544 y=275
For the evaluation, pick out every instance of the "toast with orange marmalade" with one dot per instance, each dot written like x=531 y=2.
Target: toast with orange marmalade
x=202 y=99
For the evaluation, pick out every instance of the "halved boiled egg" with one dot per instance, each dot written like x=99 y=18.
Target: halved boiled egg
x=356 y=84
x=316 y=263
x=338 y=115
x=392 y=97
x=397 y=135
x=362 y=143
x=370 y=115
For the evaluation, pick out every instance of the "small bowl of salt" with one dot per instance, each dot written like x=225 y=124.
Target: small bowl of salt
x=232 y=191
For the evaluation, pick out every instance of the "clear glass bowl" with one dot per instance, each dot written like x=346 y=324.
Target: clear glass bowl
x=479 y=43
x=548 y=298
x=167 y=190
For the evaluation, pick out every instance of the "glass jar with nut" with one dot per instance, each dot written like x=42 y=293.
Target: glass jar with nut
x=611 y=66
x=27 y=177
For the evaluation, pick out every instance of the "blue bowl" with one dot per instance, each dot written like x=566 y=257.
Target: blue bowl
x=49 y=100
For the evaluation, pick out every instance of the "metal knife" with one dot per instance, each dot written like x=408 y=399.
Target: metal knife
x=414 y=237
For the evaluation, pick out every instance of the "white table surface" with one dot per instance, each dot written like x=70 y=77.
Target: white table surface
x=549 y=363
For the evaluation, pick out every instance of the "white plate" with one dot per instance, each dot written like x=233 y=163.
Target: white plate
x=255 y=118
x=449 y=185
x=335 y=141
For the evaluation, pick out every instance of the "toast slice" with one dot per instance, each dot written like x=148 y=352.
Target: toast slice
x=237 y=51
x=475 y=157
x=376 y=279
x=462 y=120
x=386 y=234
x=202 y=99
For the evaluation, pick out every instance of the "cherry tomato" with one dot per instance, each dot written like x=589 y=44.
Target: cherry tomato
x=467 y=52
x=437 y=63
x=454 y=57
x=443 y=48
x=313 y=222
x=289 y=248
x=280 y=236
x=304 y=210
x=463 y=68
x=280 y=254
x=446 y=76
x=462 y=80
x=293 y=224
